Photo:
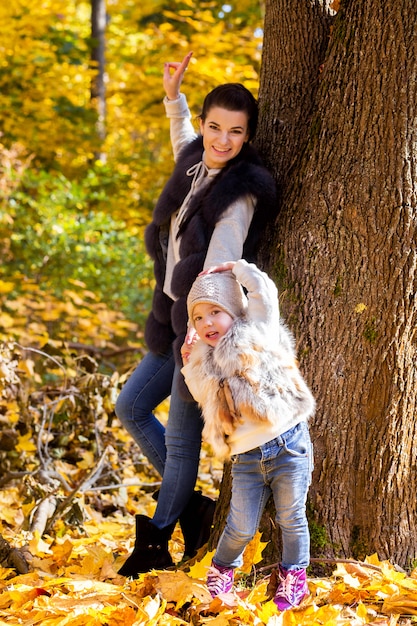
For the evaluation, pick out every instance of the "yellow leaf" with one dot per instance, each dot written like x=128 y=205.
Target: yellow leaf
x=266 y=611
x=27 y=508
x=13 y=412
x=154 y=608
x=11 y=516
x=199 y=569
x=180 y=588
x=361 y=611
x=258 y=594
x=88 y=460
x=360 y=307
x=28 y=367
x=253 y=553
x=62 y=551
x=6 y=287
x=6 y=320
x=38 y=546
x=25 y=443
x=406 y=604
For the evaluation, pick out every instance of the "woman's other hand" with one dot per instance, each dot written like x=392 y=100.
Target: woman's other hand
x=187 y=348
x=189 y=341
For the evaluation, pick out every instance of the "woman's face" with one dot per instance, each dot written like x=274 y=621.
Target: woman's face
x=224 y=133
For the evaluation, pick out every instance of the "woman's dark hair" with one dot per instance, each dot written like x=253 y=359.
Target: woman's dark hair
x=233 y=97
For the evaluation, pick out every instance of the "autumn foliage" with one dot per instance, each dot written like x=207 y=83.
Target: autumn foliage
x=75 y=287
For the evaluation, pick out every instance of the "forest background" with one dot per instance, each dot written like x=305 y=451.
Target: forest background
x=79 y=176
x=77 y=187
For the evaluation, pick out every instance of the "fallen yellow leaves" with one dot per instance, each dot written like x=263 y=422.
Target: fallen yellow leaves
x=89 y=500
x=74 y=581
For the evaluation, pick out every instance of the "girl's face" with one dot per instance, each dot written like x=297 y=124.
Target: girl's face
x=224 y=133
x=211 y=322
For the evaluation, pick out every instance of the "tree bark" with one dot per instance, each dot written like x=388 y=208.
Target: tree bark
x=98 y=86
x=295 y=40
x=345 y=255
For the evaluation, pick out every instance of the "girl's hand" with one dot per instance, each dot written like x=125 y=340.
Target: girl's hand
x=223 y=267
x=172 y=82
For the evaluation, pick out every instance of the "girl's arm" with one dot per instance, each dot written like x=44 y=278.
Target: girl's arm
x=262 y=293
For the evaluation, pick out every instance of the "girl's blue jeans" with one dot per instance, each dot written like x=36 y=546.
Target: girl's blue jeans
x=282 y=467
x=174 y=451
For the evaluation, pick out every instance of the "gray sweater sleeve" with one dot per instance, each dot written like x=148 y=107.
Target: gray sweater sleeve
x=263 y=305
x=226 y=243
x=181 y=128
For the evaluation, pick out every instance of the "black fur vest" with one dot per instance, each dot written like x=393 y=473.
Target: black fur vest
x=242 y=176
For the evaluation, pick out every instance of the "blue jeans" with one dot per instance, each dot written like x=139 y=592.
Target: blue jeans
x=175 y=451
x=282 y=467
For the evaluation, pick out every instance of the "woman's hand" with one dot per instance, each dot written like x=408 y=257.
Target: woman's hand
x=172 y=82
x=223 y=267
x=189 y=341
x=185 y=353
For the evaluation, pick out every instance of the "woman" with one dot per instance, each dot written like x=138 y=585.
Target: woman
x=213 y=209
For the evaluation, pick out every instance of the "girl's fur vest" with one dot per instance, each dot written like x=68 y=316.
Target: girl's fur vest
x=243 y=175
x=244 y=377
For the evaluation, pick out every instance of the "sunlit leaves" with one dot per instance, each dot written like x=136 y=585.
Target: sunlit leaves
x=69 y=218
x=41 y=85
x=73 y=567
x=75 y=581
x=45 y=73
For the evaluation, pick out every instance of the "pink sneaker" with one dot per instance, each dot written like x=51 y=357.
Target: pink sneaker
x=219 y=579
x=291 y=589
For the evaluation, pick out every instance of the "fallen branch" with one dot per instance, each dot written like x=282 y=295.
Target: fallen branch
x=83 y=486
x=146 y=487
x=103 y=352
x=96 y=473
x=47 y=471
x=43 y=512
x=12 y=476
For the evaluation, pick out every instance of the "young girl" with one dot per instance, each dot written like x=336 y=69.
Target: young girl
x=213 y=208
x=243 y=372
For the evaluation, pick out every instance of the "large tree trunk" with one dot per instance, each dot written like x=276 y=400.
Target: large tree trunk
x=295 y=41
x=345 y=254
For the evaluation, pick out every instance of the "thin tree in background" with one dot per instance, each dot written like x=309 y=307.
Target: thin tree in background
x=98 y=85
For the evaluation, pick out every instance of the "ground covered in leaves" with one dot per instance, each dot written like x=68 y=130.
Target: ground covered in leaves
x=71 y=483
x=73 y=580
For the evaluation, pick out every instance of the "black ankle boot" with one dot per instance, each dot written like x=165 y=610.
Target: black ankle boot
x=196 y=521
x=151 y=548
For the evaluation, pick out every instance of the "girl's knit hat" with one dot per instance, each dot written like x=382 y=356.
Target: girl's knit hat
x=219 y=288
